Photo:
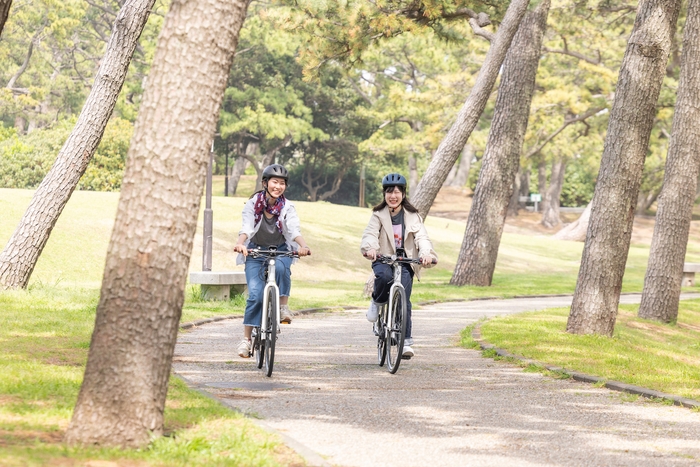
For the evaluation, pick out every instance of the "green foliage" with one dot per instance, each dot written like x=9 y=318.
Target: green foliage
x=105 y=171
x=26 y=159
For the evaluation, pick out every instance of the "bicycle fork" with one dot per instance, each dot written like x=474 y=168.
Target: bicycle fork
x=390 y=312
x=270 y=284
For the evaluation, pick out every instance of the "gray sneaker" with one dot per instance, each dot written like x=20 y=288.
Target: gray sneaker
x=407 y=352
x=285 y=314
x=373 y=312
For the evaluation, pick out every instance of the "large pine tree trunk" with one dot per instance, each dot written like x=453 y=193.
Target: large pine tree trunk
x=451 y=146
x=551 y=202
x=662 y=284
x=482 y=237
x=22 y=251
x=594 y=307
x=122 y=397
x=4 y=12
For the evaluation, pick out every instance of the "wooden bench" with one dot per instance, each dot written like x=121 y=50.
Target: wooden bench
x=219 y=285
x=689 y=270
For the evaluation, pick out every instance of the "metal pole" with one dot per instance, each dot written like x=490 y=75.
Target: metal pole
x=362 y=187
x=226 y=177
x=208 y=217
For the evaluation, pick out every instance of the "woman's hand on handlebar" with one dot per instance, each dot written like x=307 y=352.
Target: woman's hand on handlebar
x=427 y=260
x=371 y=254
x=241 y=249
x=304 y=251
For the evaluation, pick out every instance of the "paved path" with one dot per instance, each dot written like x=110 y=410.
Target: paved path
x=446 y=407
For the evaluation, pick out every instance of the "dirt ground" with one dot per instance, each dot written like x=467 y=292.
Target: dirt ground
x=454 y=203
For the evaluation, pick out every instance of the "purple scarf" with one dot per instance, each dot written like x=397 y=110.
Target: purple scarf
x=262 y=205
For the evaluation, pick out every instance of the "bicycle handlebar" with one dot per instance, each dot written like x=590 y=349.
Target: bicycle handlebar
x=399 y=259
x=255 y=252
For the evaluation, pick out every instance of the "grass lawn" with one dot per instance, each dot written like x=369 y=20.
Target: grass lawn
x=641 y=352
x=46 y=329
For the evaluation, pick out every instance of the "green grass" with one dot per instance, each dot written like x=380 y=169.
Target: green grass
x=44 y=339
x=641 y=352
x=45 y=331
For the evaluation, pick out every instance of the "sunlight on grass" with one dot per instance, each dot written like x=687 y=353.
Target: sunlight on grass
x=637 y=346
x=44 y=335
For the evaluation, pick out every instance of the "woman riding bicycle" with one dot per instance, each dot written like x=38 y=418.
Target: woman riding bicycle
x=269 y=220
x=395 y=228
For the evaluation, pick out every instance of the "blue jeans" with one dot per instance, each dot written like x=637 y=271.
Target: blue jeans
x=255 y=277
x=383 y=278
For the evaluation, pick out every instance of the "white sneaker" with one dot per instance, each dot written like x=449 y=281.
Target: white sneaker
x=244 y=348
x=408 y=341
x=285 y=314
x=407 y=351
x=373 y=312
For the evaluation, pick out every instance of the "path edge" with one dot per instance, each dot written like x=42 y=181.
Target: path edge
x=311 y=457
x=583 y=377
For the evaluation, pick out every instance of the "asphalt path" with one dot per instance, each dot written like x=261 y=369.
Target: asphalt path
x=330 y=401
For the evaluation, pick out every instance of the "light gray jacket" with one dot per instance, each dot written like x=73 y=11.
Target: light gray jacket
x=379 y=235
x=291 y=226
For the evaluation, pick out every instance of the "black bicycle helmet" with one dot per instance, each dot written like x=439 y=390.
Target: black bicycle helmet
x=393 y=179
x=275 y=170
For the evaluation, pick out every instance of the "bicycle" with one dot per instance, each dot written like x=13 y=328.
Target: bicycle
x=264 y=336
x=390 y=327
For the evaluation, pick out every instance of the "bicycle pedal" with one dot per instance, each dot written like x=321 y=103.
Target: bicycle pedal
x=405 y=358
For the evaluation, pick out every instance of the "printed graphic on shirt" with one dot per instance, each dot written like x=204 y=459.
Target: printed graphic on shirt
x=397 y=235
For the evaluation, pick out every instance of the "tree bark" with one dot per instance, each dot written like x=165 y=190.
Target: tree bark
x=482 y=237
x=4 y=12
x=551 y=202
x=22 y=251
x=122 y=397
x=451 y=146
x=662 y=283
x=597 y=295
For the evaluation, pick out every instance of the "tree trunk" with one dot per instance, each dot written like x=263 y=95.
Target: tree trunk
x=542 y=177
x=597 y=295
x=22 y=251
x=551 y=202
x=645 y=200
x=662 y=284
x=236 y=171
x=482 y=237
x=412 y=173
x=576 y=231
x=462 y=169
x=451 y=146
x=4 y=12
x=514 y=203
x=122 y=397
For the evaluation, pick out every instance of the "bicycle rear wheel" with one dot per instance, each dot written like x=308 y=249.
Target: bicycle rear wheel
x=397 y=329
x=381 y=336
x=271 y=332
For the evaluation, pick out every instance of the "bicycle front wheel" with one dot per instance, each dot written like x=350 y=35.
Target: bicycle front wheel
x=271 y=332
x=381 y=336
x=396 y=329
x=258 y=347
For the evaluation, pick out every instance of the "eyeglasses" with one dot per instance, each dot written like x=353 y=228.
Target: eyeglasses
x=392 y=189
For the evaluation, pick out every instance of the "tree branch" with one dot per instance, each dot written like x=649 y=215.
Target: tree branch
x=567 y=122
